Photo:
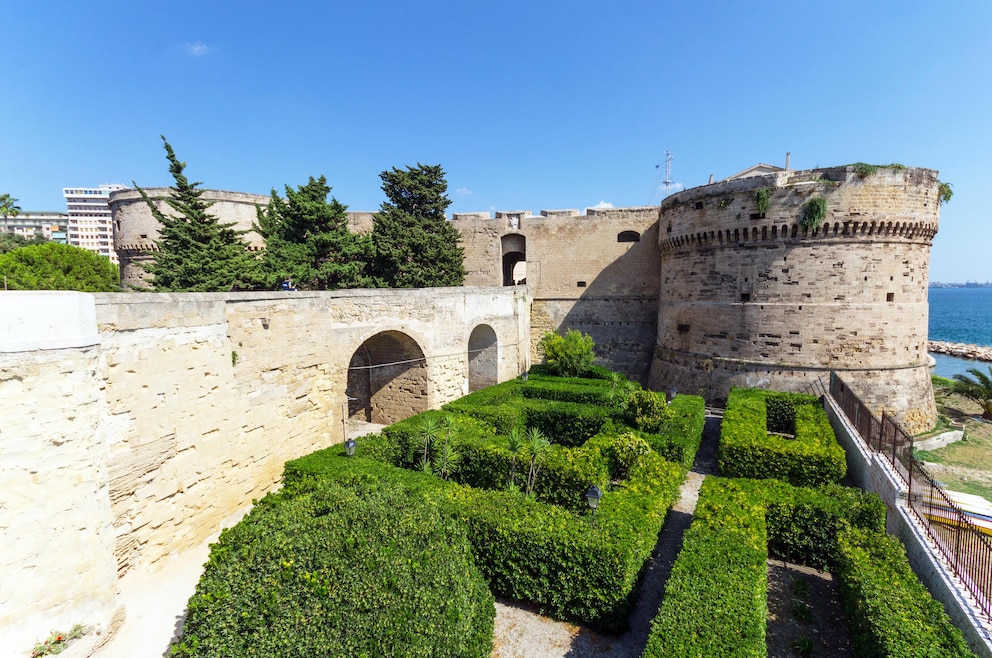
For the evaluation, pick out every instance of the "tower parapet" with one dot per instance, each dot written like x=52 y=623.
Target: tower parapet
x=760 y=289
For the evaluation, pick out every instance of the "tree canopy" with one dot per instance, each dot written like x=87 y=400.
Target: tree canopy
x=414 y=246
x=195 y=252
x=307 y=239
x=54 y=266
x=11 y=241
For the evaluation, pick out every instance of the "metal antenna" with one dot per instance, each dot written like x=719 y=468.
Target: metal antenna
x=668 y=173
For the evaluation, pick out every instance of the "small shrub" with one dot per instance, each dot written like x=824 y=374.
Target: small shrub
x=803 y=646
x=623 y=452
x=570 y=355
x=864 y=170
x=802 y=612
x=761 y=197
x=647 y=410
x=945 y=191
x=57 y=642
x=813 y=213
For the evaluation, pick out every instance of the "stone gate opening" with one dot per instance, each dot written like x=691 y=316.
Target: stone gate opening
x=387 y=379
x=514 y=250
x=483 y=357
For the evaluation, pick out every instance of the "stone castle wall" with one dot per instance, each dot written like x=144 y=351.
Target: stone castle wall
x=579 y=272
x=756 y=299
x=166 y=413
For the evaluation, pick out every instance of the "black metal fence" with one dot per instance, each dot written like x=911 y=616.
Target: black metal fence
x=967 y=550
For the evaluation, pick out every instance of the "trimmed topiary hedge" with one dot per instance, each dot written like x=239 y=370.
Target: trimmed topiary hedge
x=893 y=614
x=678 y=440
x=581 y=567
x=715 y=599
x=747 y=449
x=369 y=570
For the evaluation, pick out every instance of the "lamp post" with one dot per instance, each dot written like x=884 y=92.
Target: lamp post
x=593 y=494
x=344 y=420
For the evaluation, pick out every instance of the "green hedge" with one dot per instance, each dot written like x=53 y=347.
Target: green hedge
x=581 y=567
x=747 y=449
x=370 y=570
x=891 y=613
x=715 y=599
x=596 y=392
x=678 y=441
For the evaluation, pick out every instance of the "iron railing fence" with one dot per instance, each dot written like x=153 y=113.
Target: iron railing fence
x=965 y=547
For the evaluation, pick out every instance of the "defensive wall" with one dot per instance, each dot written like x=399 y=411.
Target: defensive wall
x=134 y=424
x=752 y=297
x=708 y=291
x=597 y=273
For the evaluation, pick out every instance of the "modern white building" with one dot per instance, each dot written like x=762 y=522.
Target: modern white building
x=29 y=223
x=90 y=225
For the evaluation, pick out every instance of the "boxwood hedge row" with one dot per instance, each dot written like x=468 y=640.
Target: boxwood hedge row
x=895 y=615
x=715 y=599
x=581 y=567
x=369 y=570
x=747 y=449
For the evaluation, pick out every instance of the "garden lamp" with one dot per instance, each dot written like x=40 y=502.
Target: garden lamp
x=524 y=376
x=349 y=447
x=593 y=494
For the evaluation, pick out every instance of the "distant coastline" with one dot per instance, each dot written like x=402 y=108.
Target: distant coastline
x=969 y=284
x=960 y=350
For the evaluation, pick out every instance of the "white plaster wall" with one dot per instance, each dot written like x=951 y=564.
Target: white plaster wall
x=56 y=534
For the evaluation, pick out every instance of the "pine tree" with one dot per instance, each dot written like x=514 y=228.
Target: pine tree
x=414 y=244
x=195 y=252
x=307 y=239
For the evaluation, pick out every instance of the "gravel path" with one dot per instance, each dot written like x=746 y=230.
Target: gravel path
x=522 y=633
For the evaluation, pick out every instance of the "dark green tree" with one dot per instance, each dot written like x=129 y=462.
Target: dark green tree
x=195 y=252
x=54 y=266
x=307 y=239
x=11 y=241
x=414 y=245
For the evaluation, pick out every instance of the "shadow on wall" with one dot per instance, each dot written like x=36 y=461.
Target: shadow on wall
x=619 y=307
x=387 y=379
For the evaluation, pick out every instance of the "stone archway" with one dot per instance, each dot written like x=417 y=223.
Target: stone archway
x=483 y=358
x=387 y=377
x=514 y=251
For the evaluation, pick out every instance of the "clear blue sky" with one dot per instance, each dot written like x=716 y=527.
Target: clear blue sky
x=526 y=104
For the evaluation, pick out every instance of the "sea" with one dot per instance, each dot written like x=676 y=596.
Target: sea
x=960 y=315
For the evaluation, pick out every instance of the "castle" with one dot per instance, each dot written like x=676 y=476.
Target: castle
x=713 y=289
x=137 y=423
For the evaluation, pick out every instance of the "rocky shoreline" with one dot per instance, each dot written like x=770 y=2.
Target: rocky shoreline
x=962 y=350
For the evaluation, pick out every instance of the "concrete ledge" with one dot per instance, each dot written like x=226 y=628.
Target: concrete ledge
x=939 y=441
x=46 y=320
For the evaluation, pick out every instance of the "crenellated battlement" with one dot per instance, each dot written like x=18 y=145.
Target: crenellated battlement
x=755 y=293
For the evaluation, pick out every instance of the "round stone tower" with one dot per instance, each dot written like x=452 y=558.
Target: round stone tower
x=136 y=229
x=775 y=280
